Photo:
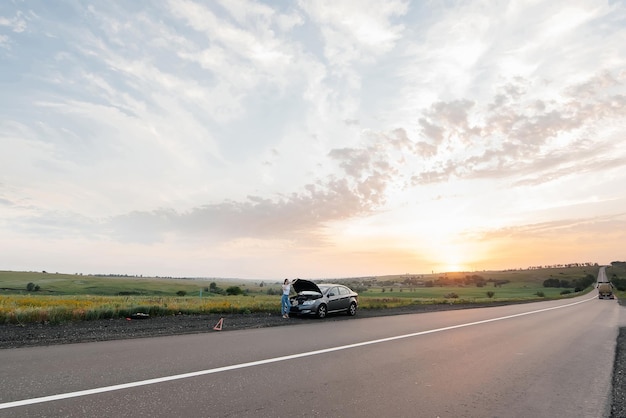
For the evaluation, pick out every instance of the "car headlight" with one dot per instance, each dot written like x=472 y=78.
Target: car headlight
x=308 y=302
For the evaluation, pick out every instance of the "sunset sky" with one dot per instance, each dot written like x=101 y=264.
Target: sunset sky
x=311 y=139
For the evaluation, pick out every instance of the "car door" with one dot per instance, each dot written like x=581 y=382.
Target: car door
x=344 y=298
x=338 y=298
x=334 y=299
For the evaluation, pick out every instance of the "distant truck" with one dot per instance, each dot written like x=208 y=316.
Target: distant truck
x=605 y=290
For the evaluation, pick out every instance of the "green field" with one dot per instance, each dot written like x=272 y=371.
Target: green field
x=55 y=297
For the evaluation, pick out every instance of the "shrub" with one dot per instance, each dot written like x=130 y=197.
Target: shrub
x=490 y=294
x=540 y=294
x=566 y=292
x=552 y=283
x=620 y=284
x=181 y=293
x=234 y=290
x=451 y=295
x=583 y=283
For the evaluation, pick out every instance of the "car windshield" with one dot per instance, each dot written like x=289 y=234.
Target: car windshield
x=323 y=288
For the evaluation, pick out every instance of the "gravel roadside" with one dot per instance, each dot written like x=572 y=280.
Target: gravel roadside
x=30 y=335
x=38 y=334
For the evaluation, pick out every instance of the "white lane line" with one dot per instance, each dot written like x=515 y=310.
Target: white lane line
x=68 y=395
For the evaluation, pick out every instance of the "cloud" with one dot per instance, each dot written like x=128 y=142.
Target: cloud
x=351 y=33
x=580 y=229
x=16 y=24
x=297 y=217
x=4 y=41
x=520 y=138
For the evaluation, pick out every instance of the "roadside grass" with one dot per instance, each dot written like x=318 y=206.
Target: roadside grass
x=375 y=299
x=67 y=297
x=20 y=309
x=617 y=273
x=506 y=292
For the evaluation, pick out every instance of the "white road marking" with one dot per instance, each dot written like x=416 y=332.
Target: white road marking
x=87 y=392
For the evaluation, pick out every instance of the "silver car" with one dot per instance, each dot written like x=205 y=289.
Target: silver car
x=322 y=299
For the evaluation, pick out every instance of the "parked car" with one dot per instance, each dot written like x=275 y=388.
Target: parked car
x=322 y=299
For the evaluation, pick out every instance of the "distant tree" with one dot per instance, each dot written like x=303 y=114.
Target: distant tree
x=213 y=286
x=181 y=293
x=233 y=290
x=30 y=286
x=552 y=283
x=582 y=283
x=620 y=284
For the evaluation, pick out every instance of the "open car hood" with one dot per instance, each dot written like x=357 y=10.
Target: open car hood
x=300 y=285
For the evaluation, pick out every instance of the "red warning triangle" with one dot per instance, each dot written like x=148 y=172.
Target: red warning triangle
x=218 y=326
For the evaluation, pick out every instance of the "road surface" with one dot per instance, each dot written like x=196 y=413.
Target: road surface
x=547 y=359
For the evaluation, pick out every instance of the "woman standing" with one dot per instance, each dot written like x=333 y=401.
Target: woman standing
x=284 y=301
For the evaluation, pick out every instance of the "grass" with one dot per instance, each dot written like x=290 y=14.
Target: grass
x=67 y=284
x=617 y=272
x=67 y=297
x=22 y=309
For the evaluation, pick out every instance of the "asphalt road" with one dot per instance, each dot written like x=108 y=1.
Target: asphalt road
x=547 y=359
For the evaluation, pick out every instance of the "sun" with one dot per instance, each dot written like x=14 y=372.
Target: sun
x=453 y=268
x=456 y=259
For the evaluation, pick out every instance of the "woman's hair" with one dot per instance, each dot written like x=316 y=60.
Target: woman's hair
x=286 y=280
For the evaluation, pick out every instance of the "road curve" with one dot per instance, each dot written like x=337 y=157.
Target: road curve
x=543 y=359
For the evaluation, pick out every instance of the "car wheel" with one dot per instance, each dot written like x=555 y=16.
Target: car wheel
x=321 y=311
x=352 y=309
